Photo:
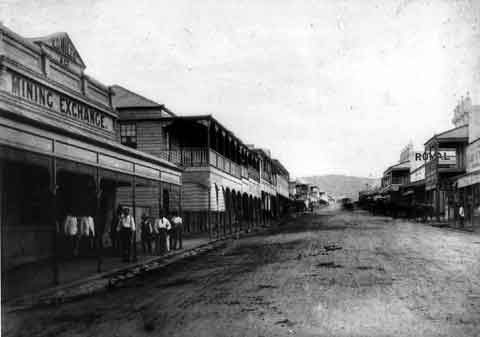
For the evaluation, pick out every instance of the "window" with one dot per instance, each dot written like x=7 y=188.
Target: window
x=128 y=135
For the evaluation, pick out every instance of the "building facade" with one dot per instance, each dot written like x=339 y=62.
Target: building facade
x=60 y=156
x=446 y=160
x=467 y=186
x=393 y=178
x=226 y=184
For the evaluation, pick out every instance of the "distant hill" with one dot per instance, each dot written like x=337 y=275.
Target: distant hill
x=341 y=185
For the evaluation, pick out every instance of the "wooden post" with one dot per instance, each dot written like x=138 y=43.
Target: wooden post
x=208 y=214
x=134 y=217
x=160 y=198
x=180 y=213
x=230 y=210
x=2 y=210
x=224 y=219
x=472 y=205
x=98 y=196
x=53 y=191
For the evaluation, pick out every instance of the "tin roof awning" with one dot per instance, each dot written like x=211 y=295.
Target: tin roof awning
x=399 y=167
x=457 y=134
x=417 y=183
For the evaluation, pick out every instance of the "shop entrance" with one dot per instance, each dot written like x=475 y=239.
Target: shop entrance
x=26 y=213
x=76 y=209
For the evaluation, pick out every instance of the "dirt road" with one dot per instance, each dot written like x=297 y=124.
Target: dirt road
x=330 y=274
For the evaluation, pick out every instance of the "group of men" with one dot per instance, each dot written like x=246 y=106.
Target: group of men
x=161 y=232
x=166 y=235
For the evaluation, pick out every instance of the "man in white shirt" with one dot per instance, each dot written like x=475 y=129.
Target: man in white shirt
x=461 y=213
x=161 y=228
x=127 y=228
x=177 y=232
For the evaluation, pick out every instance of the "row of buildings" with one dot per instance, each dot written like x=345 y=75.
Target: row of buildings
x=444 y=175
x=71 y=146
x=307 y=195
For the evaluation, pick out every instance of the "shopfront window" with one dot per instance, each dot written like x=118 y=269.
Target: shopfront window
x=476 y=205
x=170 y=198
x=25 y=198
x=27 y=220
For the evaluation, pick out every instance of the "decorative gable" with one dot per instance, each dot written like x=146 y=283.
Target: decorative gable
x=62 y=47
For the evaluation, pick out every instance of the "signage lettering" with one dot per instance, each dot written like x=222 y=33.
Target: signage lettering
x=60 y=103
x=63 y=45
x=473 y=157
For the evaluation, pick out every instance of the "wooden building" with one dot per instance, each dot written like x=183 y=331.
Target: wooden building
x=282 y=187
x=60 y=155
x=393 y=178
x=467 y=185
x=447 y=160
x=226 y=184
x=413 y=192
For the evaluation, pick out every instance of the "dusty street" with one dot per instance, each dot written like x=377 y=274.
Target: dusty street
x=330 y=274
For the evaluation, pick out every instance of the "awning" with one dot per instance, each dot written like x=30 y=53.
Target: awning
x=418 y=183
x=468 y=179
x=390 y=188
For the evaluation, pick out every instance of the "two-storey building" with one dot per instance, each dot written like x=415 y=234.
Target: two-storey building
x=468 y=184
x=446 y=159
x=60 y=157
x=413 y=192
x=393 y=178
x=282 y=188
x=226 y=184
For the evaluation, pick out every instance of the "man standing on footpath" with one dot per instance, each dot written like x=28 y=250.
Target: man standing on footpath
x=127 y=228
x=461 y=213
x=177 y=232
x=161 y=228
x=147 y=234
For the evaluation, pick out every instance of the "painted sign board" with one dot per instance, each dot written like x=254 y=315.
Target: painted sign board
x=473 y=157
x=57 y=102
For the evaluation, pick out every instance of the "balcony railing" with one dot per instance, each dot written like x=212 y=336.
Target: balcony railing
x=198 y=157
x=244 y=172
x=268 y=177
x=400 y=180
x=224 y=164
x=186 y=157
x=447 y=158
x=253 y=174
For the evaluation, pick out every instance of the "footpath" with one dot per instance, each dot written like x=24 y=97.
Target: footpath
x=115 y=277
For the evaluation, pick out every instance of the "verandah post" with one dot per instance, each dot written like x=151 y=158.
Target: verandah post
x=134 y=217
x=53 y=192
x=208 y=184
x=98 y=195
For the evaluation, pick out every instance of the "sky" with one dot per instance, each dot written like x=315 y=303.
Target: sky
x=329 y=86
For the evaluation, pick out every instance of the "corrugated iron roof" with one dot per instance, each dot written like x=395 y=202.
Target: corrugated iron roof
x=456 y=133
x=125 y=98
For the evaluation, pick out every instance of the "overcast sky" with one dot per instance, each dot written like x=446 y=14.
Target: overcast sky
x=329 y=86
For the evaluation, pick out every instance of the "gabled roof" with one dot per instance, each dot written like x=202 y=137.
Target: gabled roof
x=61 y=43
x=125 y=98
x=279 y=165
x=459 y=133
x=405 y=165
